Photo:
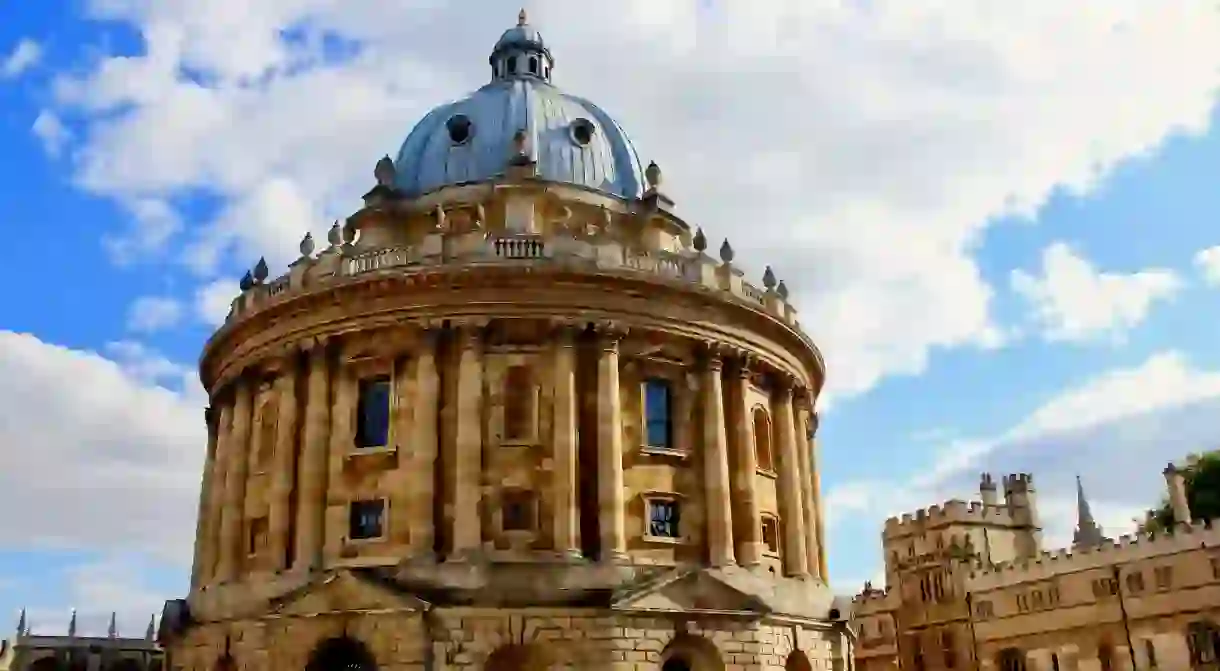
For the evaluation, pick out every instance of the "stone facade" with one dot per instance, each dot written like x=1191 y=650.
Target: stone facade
x=507 y=424
x=27 y=651
x=969 y=587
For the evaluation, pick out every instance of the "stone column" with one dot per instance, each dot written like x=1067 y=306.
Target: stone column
x=611 y=506
x=1175 y=482
x=283 y=463
x=425 y=442
x=345 y=395
x=715 y=455
x=819 y=511
x=237 y=448
x=791 y=510
x=312 y=469
x=468 y=445
x=205 y=541
x=749 y=547
x=564 y=444
x=808 y=507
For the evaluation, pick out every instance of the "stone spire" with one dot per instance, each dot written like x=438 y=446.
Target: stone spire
x=72 y=624
x=113 y=630
x=21 y=624
x=1087 y=533
x=151 y=632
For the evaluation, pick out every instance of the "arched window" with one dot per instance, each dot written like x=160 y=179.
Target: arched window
x=658 y=405
x=1011 y=659
x=533 y=65
x=762 y=439
x=1203 y=641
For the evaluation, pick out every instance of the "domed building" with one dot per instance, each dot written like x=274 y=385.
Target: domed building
x=511 y=416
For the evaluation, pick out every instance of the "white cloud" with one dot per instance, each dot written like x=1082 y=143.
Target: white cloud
x=1074 y=301
x=96 y=589
x=24 y=56
x=125 y=449
x=1208 y=263
x=214 y=300
x=1117 y=430
x=148 y=314
x=51 y=132
x=154 y=222
x=859 y=148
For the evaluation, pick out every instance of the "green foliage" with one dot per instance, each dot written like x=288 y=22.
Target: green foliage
x=1202 y=472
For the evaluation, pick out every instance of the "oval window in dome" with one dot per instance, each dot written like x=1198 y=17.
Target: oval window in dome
x=460 y=129
x=582 y=131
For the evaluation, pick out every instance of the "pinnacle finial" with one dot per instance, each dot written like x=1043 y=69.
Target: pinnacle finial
x=521 y=17
x=653 y=174
x=384 y=172
x=21 y=623
x=113 y=630
x=72 y=624
x=151 y=632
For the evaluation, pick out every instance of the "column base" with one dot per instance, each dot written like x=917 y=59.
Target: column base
x=615 y=557
x=570 y=556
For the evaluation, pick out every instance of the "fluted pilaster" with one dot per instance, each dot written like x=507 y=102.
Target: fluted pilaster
x=749 y=542
x=716 y=483
x=792 y=511
x=283 y=464
x=312 y=471
x=237 y=458
x=468 y=443
x=610 y=446
x=209 y=502
x=564 y=444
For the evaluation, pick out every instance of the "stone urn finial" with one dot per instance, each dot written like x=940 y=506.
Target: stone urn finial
x=769 y=278
x=385 y=172
x=726 y=251
x=261 y=271
x=334 y=236
x=653 y=174
x=700 y=241
x=307 y=245
x=782 y=290
x=247 y=282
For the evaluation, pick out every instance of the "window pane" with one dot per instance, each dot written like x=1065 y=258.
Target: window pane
x=373 y=410
x=366 y=519
x=663 y=519
x=657 y=412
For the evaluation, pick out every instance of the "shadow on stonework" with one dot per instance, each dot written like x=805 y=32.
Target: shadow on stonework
x=691 y=653
x=797 y=661
x=342 y=653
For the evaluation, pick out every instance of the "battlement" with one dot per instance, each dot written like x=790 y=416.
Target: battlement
x=950 y=512
x=1018 y=482
x=1128 y=548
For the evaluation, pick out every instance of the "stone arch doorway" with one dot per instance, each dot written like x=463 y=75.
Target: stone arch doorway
x=517 y=658
x=691 y=653
x=342 y=653
x=797 y=661
x=45 y=664
x=1011 y=659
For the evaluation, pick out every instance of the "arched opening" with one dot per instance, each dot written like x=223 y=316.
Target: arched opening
x=533 y=65
x=341 y=654
x=1011 y=659
x=1105 y=656
x=45 y=664
x=691 y=653
x=797 y=661
x=762 y=439
x=1203 y=643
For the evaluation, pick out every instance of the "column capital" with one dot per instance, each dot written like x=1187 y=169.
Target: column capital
x=610 y=334
x=470 y=335
x=784 y=383
x=744 y=364
x=564 y=330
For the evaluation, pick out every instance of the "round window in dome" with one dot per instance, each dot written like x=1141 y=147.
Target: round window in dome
x=582 y=131
x=460 y=128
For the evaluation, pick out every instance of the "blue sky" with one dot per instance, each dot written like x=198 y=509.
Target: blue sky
x=997 y=232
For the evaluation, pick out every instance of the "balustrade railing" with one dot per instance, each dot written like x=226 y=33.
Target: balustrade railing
x=379 y=259
x=520 y=247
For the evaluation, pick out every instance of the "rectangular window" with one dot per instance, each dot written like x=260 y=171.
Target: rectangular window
x=373 y=412
x=770 y=534
x=1164 y=577
x=258 y=535
x=664 y=516
x=366 y=519
x=1135 y=582
x=658 y=402
x=1038 y=598
x=984 y=609
x=1022 y=602
x=517 y=511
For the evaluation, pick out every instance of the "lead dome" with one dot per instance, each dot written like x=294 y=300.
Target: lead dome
x=570 y=139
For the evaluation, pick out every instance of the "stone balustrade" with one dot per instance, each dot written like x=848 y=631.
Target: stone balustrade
x=347 y=261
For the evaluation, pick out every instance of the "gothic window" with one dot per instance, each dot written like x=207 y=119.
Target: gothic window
x=1203 y=642
x=770 y=533
x=373 y=412
x=519 y=406
x=762 y=439
x=1011 y=659
x=658 y=403
x=664 y=518
x=1103 y=587
x=1164 y=577
x=518 y=510
x=1135 y=582
x=1023 y=602
x=258 y=535
x=366 y=519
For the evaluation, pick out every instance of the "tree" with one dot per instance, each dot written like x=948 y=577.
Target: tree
x=1202 y=472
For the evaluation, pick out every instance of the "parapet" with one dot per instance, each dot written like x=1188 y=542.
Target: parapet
x=871 y=601
x=950 y=512
x=1018 y=482
x=1128 y=548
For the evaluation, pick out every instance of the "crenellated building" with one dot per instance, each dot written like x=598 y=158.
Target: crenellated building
x=969 y=587
x=29 y=651
x=513 y=415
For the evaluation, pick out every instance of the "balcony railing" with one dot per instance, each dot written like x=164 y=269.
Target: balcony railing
x=520 y=247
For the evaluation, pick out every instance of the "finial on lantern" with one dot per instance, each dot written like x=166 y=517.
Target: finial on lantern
x=385 y=172
x=521 y=17
x=653 y=174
